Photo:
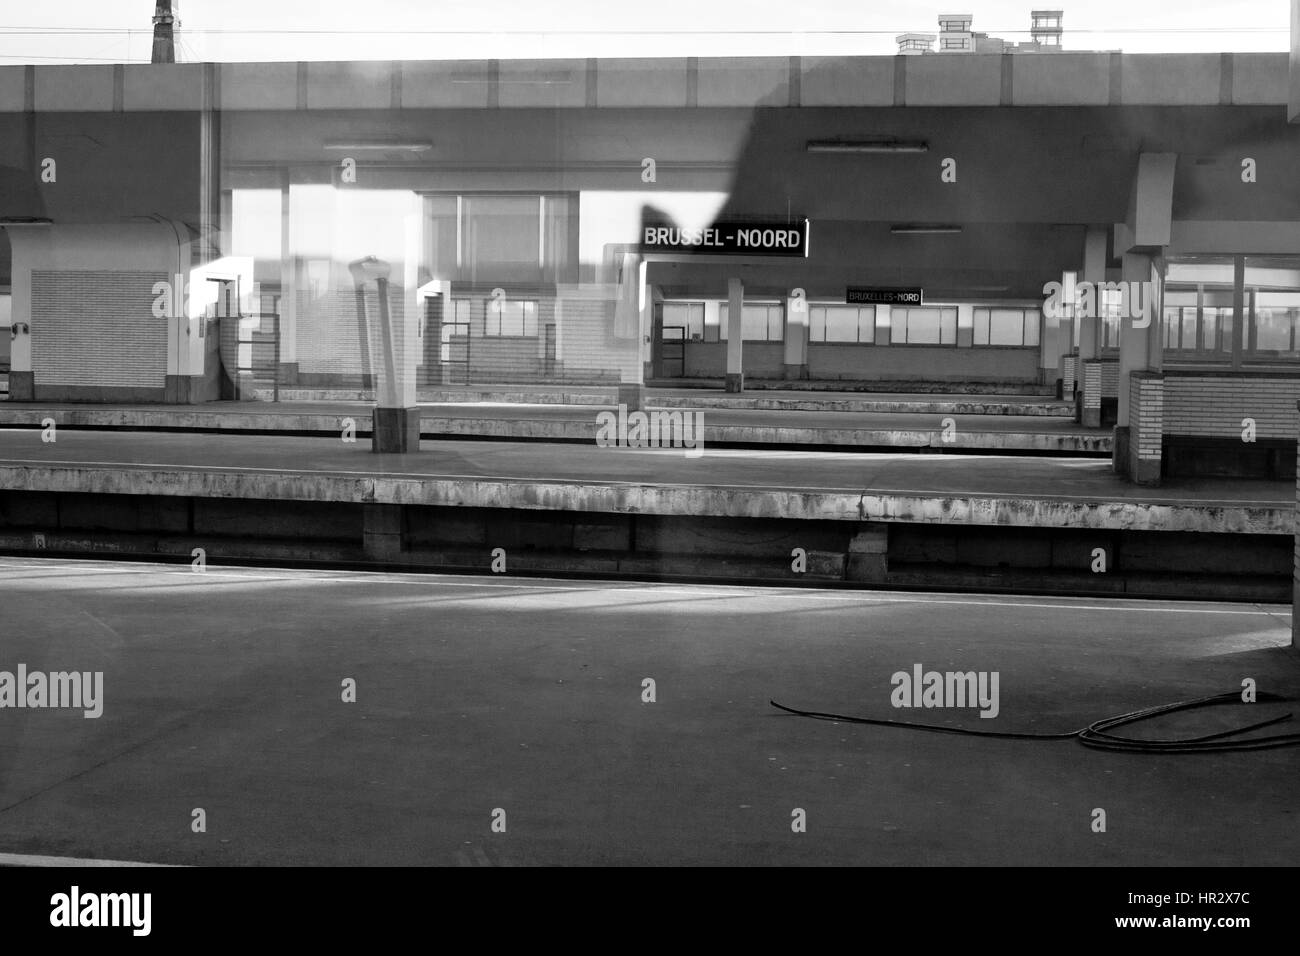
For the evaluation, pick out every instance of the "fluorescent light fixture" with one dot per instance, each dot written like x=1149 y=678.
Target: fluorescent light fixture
x=402 y=146
x=923 y=229
x=867 y=146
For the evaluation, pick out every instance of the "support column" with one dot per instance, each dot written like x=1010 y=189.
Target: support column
x=1137 y=319
x=1146 y=428
x=396 y=416
x=1088 y=410
x=1134 y=351
x=796 y=338
x=288 y=356
x=735 y=381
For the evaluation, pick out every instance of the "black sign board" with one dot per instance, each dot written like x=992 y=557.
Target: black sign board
x=730 y=239
x=862 y=295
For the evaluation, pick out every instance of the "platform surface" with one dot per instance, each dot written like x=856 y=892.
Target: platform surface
x=543 y=421
x=902 y=486
x=222 y=691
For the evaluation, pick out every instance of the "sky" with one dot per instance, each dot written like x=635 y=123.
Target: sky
x=120 y=31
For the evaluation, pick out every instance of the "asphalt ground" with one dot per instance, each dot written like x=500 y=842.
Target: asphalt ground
x=222 y=691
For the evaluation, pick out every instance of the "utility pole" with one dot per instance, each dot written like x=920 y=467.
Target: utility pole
x=164 y=39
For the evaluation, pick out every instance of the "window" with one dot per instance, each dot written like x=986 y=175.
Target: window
x=484 y=238
x=458 y=315
x=760 y=322
x=688 y=316
x=511 y=317
x=923 y=325
x=841 y=323
x=1006 y=326
x=1272 y=291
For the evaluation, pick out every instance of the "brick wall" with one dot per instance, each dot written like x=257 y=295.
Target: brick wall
x=1214 y=405
x=1109 y=379
x=97 y=329
x=1146 y=415
x=588 y=348
x=329 y=331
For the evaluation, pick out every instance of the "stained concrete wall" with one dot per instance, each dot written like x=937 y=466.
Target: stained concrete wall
x=1062 y=79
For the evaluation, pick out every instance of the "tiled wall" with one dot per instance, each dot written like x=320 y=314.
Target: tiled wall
x=1215 y=405
x=97 y=329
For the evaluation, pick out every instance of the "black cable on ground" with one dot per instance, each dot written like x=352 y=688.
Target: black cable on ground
x=1097 y=734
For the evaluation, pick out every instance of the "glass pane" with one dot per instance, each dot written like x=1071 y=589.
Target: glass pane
x=981 y=326
x=817 y=323
x=1007 y=327
x=1033 y=319
x=841 y=324
x=1273 y=288
x=867 y=323
x=503 y=237
x=922 y=327
x=948 y=327
x=754 y=322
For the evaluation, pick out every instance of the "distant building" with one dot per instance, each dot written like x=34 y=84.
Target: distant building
x=914 y=43
x=955 y=36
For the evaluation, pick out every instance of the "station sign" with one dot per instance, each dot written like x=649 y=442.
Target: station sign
x=788 y=239
x=866 y=295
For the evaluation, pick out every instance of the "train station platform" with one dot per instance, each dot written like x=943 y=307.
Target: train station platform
x=899 y=422
x=768 y=398
x=899 y=519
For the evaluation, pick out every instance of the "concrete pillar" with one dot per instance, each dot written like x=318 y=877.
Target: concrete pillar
x=1094 y=271
x=796 y=338
x=288 y=295
x=396 y=416
x=1135 y=334
x=1088 y=409
x=735 y=381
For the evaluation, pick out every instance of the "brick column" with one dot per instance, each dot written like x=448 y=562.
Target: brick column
x=1091 y=393
x=1146 y=426
x=1068 y=379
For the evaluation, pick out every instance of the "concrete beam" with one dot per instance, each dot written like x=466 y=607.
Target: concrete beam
x=1150 y=207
